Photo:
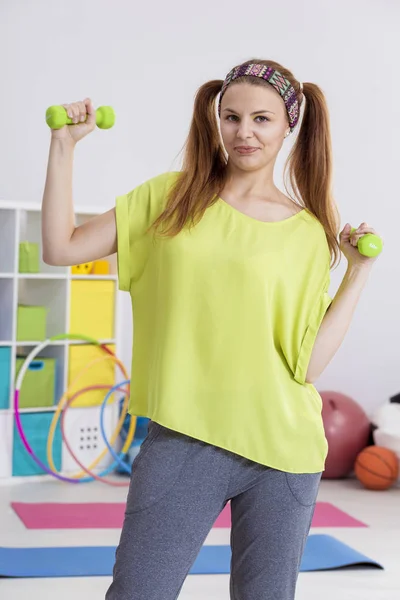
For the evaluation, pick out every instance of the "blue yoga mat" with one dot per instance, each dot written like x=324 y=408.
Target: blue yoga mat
x=322 y=552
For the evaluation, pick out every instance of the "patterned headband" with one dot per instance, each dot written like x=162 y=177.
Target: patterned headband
x=280 y=83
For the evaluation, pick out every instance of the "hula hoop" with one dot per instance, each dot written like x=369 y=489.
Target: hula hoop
x=18 y=422
x=108 y=470
x=111 y=450
x=64 y=437
x=60 y=407
x=118 y=458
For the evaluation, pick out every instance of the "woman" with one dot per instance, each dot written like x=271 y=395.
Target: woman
x=229 y=282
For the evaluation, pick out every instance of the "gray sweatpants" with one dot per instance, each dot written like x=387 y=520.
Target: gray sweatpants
x=179 y=486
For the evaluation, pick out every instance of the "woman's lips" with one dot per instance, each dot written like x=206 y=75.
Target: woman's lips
x=246 y=150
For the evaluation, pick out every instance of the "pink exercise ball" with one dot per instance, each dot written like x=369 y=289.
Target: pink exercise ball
x=347 y=430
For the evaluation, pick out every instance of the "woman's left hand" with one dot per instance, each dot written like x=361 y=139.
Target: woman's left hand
x=348 y=245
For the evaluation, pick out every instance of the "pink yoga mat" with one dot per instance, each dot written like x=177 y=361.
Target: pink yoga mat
x=325 y=515
x=328 y=515
x=97 y=515
x=111 y=516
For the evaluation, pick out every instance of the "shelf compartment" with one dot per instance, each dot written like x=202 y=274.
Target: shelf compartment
x=102 y=373
x=31 y=231
x=82 y=430
x=36 y=426
x=39 y=383
x=92 y=308
x=51 y=294
x=52 y=355
x=6 y=309
x=7 y=240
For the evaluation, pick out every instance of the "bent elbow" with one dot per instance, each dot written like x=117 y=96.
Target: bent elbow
x=48 y=258
x=52 y=259
x=310 y=378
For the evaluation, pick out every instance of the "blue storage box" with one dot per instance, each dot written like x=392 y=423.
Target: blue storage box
x=5 y=365
x=36 y=427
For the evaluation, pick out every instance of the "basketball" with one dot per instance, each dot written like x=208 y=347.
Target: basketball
x=377 y=468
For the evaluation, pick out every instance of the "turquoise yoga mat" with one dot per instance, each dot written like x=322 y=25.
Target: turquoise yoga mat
x=322 y=552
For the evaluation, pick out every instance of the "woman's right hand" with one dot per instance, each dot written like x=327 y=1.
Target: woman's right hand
x=83 y=115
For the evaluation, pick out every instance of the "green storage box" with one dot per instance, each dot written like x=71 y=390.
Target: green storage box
x=39 y=384
x=31 y=323
x=28 y=257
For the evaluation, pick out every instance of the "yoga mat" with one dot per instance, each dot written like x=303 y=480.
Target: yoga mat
x=322 y=552
x=328 y=515
x=325 y=515
x=111 y=516
x=98 y=515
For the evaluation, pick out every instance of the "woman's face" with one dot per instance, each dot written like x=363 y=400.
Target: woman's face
x=253 y=117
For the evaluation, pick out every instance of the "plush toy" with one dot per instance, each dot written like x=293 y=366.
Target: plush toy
x=83 y=269
x=386 y=421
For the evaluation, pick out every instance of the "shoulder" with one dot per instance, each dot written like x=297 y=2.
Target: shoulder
x=163 y=180
x=314 y=225
x=316 y=236
x=155 y=186
x=149 y=197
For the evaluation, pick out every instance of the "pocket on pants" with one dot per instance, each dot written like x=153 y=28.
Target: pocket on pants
x=304 y=487
x=153 y=430
x=157 y=467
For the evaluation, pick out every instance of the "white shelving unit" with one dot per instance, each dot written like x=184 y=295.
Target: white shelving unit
x=51 y=287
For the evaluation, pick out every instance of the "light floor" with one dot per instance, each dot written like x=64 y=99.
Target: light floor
x=380 y=541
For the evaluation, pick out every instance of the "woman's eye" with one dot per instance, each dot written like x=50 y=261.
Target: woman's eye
x=234 y=117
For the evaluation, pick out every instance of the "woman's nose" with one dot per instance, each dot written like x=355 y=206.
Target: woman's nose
x=245 y=129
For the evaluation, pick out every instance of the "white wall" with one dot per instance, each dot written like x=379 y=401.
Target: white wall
x=147 y=60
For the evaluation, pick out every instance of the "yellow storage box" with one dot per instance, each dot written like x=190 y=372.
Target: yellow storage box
x=102 y=373
x=101 y=267
x=92 y=308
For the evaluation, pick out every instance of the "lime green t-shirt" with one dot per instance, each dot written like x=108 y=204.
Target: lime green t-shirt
x=225 y=317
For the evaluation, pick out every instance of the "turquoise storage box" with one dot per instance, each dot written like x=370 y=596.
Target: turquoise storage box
x=31 y=323
x=39 y=383
x=5 y=363
x=28 y=259
x=36 y=427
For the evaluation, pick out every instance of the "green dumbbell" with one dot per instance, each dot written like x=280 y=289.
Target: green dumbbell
x=57 y=117
x=369 y=244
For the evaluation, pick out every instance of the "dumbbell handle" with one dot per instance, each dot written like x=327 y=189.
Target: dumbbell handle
x=57 y=117
x=369 y=244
